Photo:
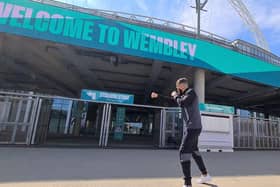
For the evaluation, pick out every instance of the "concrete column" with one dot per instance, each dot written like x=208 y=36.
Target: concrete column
x=199 y=84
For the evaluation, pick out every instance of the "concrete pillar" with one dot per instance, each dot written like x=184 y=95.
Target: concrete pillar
x=199 y=84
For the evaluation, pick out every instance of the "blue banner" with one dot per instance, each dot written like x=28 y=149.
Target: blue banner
x=42 y=21
x=96 y=95
x=216 y=108
x=119 y=124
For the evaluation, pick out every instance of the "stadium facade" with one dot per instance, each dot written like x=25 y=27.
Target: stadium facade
x=84 y=76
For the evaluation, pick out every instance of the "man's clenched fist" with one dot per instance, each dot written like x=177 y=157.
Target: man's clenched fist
x=174 y=94
x=154 y=95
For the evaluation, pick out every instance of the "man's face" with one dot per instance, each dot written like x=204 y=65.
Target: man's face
x=181 y=87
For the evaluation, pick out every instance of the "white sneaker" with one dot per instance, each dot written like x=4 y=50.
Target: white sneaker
x=187 y=186
x=204 y=179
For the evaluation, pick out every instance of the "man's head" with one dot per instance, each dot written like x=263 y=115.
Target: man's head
x=182 y=84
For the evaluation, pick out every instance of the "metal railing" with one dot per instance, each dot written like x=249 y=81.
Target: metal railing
x=256 y=133
x=25 y=119
x=46 y=125
x=136 y=18
x=17 y=117
x=171 y=128
x=256 y=52
x=60 y=120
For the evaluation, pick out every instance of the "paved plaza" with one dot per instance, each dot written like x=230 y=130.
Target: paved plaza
x=64 y=167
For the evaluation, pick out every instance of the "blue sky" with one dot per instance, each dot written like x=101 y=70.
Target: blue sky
x=220 y=18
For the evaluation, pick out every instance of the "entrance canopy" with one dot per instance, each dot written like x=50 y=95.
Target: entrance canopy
x=58 y=69
x=61 y=25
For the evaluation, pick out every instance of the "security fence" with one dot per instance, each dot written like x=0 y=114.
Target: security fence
x=256 y=133
x=37 y=119
x=17 y=117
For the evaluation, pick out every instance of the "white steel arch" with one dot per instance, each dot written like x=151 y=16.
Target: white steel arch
x=248 y=19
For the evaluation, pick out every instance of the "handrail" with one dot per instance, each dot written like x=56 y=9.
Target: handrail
x=256 y=118
x=163 y=23
x=134 y=17
x=76 y=99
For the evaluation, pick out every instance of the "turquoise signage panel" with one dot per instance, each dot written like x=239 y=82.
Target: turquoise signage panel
x=96 y=95
x=119 y=124
x=216 y=108
x=41 y=21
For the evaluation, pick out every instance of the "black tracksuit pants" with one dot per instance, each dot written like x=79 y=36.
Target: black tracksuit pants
x=188 y=149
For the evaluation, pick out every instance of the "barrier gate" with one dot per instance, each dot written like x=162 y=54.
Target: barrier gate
x=171 y=128
x=216 y=135
x=256 y=133
x=17 y=117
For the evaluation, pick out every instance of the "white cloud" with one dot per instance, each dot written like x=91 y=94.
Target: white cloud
x=267 y=14
x=84 y=3
x=142 y=5
x=220 y=19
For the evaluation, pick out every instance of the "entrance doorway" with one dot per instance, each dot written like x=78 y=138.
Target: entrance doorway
x=172 y=128
x=74 y=123
x=134 y=127
x=82 y=123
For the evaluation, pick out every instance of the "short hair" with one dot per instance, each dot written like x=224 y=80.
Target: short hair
x=183 y=80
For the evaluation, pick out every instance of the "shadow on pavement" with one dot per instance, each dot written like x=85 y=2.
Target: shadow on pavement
x=211 y=185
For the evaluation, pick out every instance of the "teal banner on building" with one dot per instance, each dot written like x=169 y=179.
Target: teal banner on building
x=41 y=21
x=216 y=108
x=96 y=95
x=119 y=124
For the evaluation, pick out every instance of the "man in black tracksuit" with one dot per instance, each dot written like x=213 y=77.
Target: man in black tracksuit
x=187 y=99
